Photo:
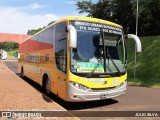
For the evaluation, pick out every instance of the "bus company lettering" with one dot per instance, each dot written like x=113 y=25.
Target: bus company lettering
x=32 y=58
x=87 y=26
x=95 y=80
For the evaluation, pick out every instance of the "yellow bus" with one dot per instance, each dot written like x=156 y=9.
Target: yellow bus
x=78 y=59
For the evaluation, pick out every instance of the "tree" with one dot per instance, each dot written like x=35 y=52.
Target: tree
x=149 y=18
x=124 y=12
x=119 y=11
x=51 y=23
x=8 y=46
x=102 y=9
x=34 y=31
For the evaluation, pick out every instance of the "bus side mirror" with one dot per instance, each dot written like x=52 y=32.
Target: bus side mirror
x=137 y=41
x=72 y=36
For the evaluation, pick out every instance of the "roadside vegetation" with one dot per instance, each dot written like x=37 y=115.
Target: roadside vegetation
x=148 y=62
x=124 y=13
x=13 y=53
x=10 y=47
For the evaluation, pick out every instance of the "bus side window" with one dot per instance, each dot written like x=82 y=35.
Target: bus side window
x=61 y=47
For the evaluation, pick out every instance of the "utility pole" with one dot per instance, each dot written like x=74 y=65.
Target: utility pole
x=135 y=59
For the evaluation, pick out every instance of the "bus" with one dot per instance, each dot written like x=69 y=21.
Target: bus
x=78 y=59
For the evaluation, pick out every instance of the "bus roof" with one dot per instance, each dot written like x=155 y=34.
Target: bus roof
x=90 y=19
x=80 y=18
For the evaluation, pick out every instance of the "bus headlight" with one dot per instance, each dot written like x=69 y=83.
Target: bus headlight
x=79 y=86
x=124 y=82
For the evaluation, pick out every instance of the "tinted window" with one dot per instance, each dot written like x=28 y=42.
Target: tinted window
x=61 y=47
x=47 y=35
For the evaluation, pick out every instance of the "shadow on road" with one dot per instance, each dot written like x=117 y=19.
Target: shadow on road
x=69 y=105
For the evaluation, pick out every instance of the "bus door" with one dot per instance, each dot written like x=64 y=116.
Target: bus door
x=61 y=58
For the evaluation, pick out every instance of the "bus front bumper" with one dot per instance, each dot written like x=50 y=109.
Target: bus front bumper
x=76 y=95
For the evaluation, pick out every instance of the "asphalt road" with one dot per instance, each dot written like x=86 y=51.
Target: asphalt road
x=135 y=99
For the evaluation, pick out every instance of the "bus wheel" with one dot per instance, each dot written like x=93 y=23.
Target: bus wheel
x=47 y=85
x=22 y=73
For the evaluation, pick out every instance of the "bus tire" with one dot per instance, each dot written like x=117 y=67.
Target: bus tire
x=22 y=73
x=46 y=84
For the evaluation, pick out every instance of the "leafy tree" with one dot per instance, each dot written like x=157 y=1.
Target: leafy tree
x=102 y=9
x=8 y=46
x=34 y=31
x=119 y=11
x=149 y=16
x=51 y=23
x=124 y=12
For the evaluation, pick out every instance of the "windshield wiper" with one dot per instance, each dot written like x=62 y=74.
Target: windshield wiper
x=108 y=55
x=104 y=51
x=118 y=71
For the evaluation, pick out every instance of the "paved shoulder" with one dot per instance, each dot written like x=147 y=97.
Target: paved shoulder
x=16 y=94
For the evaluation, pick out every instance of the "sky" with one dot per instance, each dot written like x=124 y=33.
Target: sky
x=19 y=16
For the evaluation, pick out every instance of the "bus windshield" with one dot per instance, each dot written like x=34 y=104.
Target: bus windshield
x=88 y=56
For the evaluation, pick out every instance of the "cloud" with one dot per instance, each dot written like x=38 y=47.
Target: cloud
x=69 y=2
x=14 y=20
x=36 y=6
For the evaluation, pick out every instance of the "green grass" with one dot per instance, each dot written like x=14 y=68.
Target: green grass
x=148 y=82
x=148 y=62
x=13 y=53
